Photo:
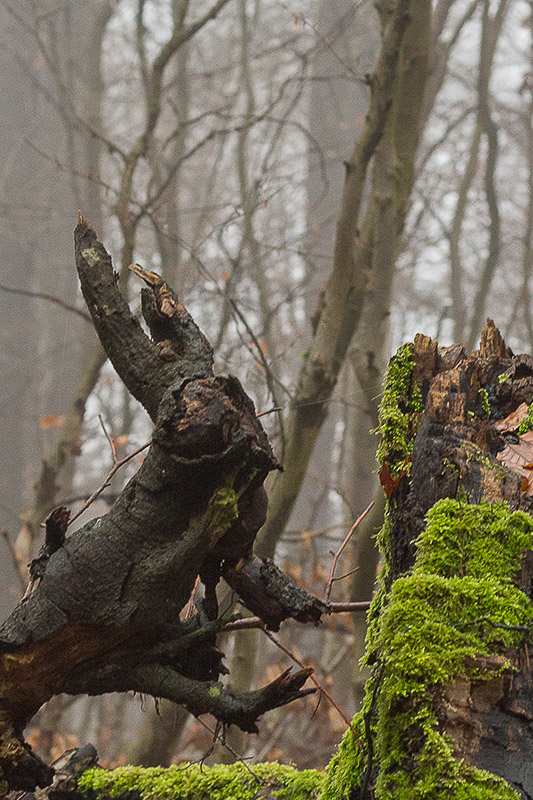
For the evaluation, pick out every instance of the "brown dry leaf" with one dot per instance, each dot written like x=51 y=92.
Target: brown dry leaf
x=513 y=420
x=121 y=440
x=387 y=481
x=226 y=276
x=519 y=459
x=51 y=421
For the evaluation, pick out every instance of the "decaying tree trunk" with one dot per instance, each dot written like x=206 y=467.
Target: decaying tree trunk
x=449 y=709
x=105 y=615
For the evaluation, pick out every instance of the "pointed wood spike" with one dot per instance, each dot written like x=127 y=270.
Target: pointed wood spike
x=151 y=278
x=83 y=221
x=492 y=344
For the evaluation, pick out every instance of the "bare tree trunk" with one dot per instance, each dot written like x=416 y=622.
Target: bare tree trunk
x=466 y=329
x=242 y=670
x=343 y=295
x=159 y=735
x=490 y=32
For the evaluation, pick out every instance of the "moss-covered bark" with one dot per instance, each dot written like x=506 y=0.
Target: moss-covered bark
x=449 y=707
x=196 y=782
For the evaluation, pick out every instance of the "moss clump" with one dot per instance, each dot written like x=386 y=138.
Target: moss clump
x=485 y=403
x=399 y=412
x=435 y=625
x=527 y=423
x=476 y=540
x=346 y=767
x=195 y=782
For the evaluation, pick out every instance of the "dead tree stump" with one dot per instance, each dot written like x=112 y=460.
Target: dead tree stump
x=449 y=709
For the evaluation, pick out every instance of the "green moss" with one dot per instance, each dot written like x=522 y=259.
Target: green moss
x=485 y=404
x=224 y=509
x=476 y=540
x=527 y=423
x=474 y=453
x=346 y=767
x=428 y=631
x=399 y=412
x=449 y=466
x=196 y=782
x=4 y=788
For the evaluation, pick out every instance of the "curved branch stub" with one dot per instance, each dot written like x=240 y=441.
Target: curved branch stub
x=202 y=697
x=271 y=594
x=144 y=366
x=177 y=336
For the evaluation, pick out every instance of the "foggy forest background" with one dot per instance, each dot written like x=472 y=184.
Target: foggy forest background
x=234 y=200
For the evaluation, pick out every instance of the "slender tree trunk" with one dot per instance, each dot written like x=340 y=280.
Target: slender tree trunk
x=159 y=735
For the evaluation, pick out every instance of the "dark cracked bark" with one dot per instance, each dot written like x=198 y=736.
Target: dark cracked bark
x=105 y=615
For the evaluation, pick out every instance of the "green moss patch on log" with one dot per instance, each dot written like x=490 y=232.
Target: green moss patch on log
x=527 y=423
x=197 y=782
x=399 y=412
x=439 y=625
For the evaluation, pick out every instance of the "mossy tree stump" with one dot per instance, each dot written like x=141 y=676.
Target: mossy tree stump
x=449 y=709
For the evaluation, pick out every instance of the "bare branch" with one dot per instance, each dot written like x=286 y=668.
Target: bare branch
x=337 y=555
x=50 y=298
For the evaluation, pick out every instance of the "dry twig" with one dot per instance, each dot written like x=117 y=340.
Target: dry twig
x=318 y=685
x=336 y=557
x=107 y=481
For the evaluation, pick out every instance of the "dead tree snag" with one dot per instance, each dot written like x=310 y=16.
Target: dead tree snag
x=105 y=615
x=448 y=710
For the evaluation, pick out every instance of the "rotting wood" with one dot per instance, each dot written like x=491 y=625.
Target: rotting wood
x=451 y=530
x=105 y=615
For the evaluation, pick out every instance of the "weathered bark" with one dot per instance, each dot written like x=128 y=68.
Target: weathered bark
x=105 y=615
x=451 y=692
